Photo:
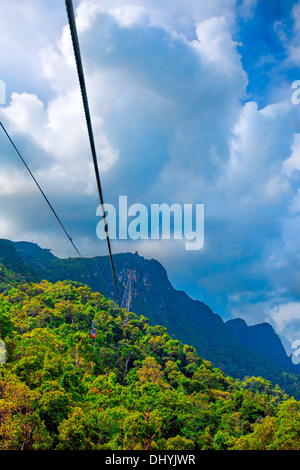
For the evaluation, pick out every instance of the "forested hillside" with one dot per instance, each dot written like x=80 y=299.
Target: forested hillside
x=132 y=387
x=231 y=346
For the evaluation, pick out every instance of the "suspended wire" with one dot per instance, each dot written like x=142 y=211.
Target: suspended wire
x=80 y=72
x=31 y=296
x=16 y=287
x=44 y=195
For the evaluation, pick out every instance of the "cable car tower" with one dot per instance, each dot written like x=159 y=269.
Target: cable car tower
x=127 y=295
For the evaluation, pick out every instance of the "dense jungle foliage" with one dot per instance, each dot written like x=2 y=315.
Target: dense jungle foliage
x=235 y=348
x=133 y=387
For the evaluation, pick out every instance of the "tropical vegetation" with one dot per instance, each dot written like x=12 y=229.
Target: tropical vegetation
x=133 y=387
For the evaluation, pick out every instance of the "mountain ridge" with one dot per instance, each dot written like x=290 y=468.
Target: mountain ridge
x=261 y=337
x=237 y=351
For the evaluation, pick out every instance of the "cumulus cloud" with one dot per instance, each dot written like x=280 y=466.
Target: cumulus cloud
x=293 y=44
x=174 y=123
x=247 y=8
x=58 y=128
x=286 y=321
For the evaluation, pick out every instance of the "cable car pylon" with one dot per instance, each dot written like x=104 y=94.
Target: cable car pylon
x=127 y=295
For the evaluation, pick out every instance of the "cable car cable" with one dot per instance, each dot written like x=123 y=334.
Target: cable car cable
x=17 y=287
x=44 y=195
x=80 y=72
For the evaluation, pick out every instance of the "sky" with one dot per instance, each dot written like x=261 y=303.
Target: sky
x=191 y=103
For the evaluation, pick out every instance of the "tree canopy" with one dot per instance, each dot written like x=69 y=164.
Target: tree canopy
x=133 y=387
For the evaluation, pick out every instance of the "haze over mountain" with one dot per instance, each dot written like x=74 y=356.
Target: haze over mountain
x=233 y=346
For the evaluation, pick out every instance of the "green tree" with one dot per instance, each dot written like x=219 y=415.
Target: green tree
x=151 y=371
x=79 y=432
x=179 y=443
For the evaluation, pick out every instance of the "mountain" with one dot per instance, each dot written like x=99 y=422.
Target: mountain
x=261 y=338
x=13 y=265
x=233 y=346
x=32 y=254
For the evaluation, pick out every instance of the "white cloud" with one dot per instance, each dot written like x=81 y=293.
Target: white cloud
x=261 y=143
x=174 y=16
x=13 y=181
x=58 y=128
x=293 y=45
x=286 y=321
x=247 y=8
x=293 y=162
x=26 y=115
x=129 y=15
x=166 y=86
x=215 y=44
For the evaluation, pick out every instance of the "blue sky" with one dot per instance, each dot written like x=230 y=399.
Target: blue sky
x=191 y=103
